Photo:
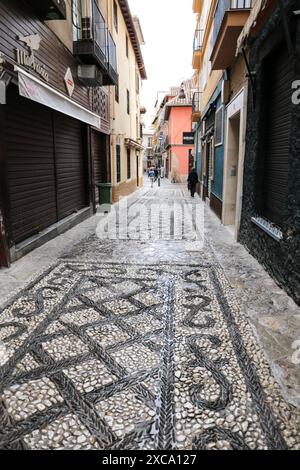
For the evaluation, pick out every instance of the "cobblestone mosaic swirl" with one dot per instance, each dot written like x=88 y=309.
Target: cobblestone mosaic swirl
x=114 y=356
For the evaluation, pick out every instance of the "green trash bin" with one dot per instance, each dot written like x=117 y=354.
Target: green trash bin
x=105 y=193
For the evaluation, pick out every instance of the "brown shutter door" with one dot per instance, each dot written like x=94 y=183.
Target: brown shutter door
x=99 y=154
x=70 y=165
x=278 y=135
x=29 y=147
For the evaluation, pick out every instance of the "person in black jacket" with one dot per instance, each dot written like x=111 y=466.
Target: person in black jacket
x=192 y=181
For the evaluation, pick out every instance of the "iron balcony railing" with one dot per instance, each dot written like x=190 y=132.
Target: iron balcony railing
x=90 y=42
x=198 y=39
x=227 y=5
x=196 y=102
x=111 y=78
x=163 y=144
x=94 y=44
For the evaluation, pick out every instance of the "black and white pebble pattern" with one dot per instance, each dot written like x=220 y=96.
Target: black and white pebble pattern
x=114 y=356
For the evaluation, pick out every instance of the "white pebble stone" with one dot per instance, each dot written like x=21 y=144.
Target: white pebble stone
x=188 y=405
x=230 y=419
x=40 y=407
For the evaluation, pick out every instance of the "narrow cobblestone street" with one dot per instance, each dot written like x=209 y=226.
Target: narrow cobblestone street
x=136 y=344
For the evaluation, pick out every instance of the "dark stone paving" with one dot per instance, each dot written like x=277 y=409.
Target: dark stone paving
x=104 y=352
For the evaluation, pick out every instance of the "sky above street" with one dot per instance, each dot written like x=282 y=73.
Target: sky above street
x=168 y=27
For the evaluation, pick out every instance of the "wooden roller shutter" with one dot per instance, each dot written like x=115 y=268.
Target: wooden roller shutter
x=30 y=159
x=278 y=89
x=70 y=165
x=99 y=156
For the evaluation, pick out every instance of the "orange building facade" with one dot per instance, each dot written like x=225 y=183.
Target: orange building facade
x=180 y=154
x=174 y=149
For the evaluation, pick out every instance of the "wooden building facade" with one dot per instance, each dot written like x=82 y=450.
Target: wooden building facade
x=54 y=129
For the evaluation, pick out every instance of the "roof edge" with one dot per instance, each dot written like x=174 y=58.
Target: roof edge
x=133 y=37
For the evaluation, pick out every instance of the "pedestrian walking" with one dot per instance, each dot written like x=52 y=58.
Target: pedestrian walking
x=155 y=174
x=192 y=181
x=158 y=176
x=151 y=176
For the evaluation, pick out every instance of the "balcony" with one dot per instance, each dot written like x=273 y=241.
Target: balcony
x=230 y=18
x=49 y=9
x=90 y=45
x=94 y=45
x=197 y=49
x=111 y=76
x=166 y=143
x=197 y=6
x=196 y=106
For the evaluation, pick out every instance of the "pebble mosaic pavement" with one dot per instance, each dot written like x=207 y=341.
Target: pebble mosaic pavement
x=113 y=355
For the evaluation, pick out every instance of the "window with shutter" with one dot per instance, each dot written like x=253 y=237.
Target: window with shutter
x=128 y=163
x=279 y=77
x=219 y=126
x=116 y=16
x=118 y=163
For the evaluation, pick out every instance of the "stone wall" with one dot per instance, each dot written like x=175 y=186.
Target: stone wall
x=281 y=259
x=124 y=189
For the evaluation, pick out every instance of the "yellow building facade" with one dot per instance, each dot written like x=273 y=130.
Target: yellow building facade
x=126 y=164
x=125 y=101
x=219 y=116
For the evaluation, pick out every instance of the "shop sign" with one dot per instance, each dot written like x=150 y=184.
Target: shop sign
x=27 y=59
x=69 y=82
x=188 y=138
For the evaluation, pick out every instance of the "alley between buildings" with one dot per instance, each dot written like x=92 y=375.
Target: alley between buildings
x=147 y=344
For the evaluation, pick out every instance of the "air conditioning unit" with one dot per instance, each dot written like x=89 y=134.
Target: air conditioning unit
x=89 y=75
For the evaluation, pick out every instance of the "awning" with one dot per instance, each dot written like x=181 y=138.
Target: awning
x=33 y=89
x=133 y=143
x=258 y=6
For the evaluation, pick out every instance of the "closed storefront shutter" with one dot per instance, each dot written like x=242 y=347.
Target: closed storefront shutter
x=70 y=165
x=99 y=156
x=31 y=173
x=278 y=89
x=45 y=164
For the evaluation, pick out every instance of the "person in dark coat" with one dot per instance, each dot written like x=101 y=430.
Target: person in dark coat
x=192 y=181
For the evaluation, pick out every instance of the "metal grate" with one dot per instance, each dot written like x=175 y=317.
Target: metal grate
x=100 y=102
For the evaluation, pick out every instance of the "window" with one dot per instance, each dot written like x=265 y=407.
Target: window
x=274 y=153
x=117 y=97
x=127 y=46
x=118 y=158
x=219 y=126
x=137 y=82
x=128 y=102
x=128 y=163
x=239 y=4
x=77 y=19
x=116 y=15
